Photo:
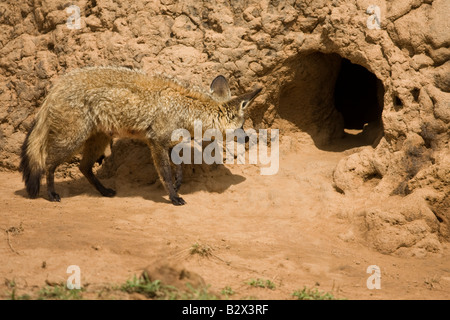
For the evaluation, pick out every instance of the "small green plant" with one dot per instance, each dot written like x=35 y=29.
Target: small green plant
x=59 y=292
x=13 y=294
x=21 y=297
x=227 y=291
x=312 y=294
x=156 y=290
x=196 y=294
x=143 y=285
x=260 y=283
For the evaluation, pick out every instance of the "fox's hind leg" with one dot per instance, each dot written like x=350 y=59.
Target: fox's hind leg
x=52 y=195
x=178 y=169
x=59 y=151
x=178 y=176
x=93 y=149
x=162 y=164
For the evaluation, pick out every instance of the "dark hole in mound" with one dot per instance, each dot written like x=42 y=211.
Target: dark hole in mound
x=358 y=95
x=338 y=103
x=398 y=104
x=415 y=93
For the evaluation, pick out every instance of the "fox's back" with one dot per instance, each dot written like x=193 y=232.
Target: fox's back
x=120 y=98
x=117 y=81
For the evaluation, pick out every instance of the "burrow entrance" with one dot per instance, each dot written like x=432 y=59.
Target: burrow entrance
x=358 y=95
x=331 y=99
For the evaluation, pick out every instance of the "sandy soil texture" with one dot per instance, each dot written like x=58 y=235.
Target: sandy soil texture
x=290 y=228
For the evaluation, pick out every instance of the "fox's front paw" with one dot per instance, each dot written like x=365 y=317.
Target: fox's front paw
x=108 y=192
x=54 y=197
x=178 y=201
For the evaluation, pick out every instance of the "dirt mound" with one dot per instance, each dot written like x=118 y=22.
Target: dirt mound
x=174 y=275
x=314 y=59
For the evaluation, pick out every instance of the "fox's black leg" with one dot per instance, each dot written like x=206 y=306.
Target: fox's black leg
x=93 y=148
x=52 y=195
x=162 y=165
x=178 y=176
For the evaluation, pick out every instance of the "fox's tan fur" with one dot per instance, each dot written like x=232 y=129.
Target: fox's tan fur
x=87 y=107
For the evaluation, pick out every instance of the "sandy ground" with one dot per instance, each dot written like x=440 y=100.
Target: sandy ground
x=283 y=228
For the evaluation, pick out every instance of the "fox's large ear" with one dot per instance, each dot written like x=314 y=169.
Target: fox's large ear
x=247 y=98
x=219 y=89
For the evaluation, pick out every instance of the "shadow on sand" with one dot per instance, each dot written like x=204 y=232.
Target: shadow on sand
x=216 y=179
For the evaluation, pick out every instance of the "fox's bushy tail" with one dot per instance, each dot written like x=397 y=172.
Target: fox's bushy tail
x=34 y=153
